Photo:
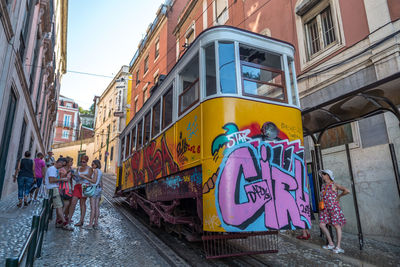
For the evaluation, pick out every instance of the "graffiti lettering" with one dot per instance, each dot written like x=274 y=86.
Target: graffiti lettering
x=238 y=137
x=258 y=190
x=255 y=182
x=156 y=163
x=182 y=147
x=192 y=128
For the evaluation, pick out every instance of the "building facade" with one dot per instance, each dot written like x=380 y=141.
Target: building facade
x=344 y=49
x=155 y=56
x=75 y=149
x=32 y=62
x=68 y=122
x=110 y=120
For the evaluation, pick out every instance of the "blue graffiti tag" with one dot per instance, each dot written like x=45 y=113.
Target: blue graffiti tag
x=192 y=128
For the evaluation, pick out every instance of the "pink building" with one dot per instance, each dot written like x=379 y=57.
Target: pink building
x=67 y=124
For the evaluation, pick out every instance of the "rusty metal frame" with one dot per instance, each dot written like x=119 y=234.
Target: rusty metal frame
x=228 y=244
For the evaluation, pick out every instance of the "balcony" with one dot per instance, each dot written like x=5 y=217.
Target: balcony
x=66 y=125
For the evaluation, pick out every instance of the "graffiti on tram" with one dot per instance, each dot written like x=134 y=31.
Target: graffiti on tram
x=153 y=161
x=261 y=182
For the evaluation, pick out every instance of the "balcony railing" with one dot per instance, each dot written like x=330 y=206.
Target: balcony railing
x=65 y=124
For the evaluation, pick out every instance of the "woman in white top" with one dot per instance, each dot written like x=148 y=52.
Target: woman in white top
x=96 y=181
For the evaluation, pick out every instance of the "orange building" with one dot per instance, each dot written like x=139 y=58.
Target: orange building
x=155 y=56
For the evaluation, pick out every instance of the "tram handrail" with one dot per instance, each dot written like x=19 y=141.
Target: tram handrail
x=32 y=248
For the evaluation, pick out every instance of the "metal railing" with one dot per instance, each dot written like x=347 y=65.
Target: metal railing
x=32 y=248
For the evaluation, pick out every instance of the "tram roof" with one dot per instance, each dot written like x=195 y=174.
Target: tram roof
x=372 y=99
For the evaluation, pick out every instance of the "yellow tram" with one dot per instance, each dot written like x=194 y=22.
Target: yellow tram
x=218 y=146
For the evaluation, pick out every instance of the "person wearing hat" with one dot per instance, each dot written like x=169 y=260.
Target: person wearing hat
x=331 y=213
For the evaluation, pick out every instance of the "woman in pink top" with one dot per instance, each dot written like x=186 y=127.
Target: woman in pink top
x=40 y=170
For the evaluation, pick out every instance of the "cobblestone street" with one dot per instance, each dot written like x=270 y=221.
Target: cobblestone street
x=118 y=242
x=115 y=243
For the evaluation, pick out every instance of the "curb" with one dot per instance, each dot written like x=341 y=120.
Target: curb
x=168 y=254
x=342 y=257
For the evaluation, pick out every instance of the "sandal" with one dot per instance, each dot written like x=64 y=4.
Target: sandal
x=88 y=227
x=26 y=203
x=19 y=205
x=78 y=224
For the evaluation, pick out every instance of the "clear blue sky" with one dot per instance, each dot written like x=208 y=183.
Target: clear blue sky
x=103 y=35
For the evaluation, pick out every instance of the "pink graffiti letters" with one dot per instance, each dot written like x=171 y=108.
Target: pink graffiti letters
x=257 y=189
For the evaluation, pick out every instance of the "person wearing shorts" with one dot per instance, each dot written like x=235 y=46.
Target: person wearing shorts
x=52 y=180
x=83 y=171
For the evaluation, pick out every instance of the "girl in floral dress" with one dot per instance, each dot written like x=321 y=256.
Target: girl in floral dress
x=332 y=213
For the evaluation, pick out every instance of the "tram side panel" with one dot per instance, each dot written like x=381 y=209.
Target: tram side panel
x=168 y=167
x=254 y=177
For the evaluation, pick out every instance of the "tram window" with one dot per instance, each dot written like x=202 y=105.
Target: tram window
x=189 y=79
x=259 y=57
x=128 y=139
x=147 y=127
x=211 y=81
x=167 y=108
x=139 y=135
x=156 y=119
x=261 y=74
x=227 y=71
x=122 y=148
x=133 y=139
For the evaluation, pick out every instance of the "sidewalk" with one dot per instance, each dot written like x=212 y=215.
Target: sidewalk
x=15 y=225
x=373 y=253
x=115 y=243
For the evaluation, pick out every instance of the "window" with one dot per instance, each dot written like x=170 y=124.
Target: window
x=156 y=119
x=133 y=139
x=114 y=127
x=189 y=84
x=167 y=108
x=67 y=121
x=139 y=135
x=147 y=124
x=221 y=11
x=155 y=80
x=122 y=148
x=127 y=150
x=112 y=153
x=190 y=36
x=68 y=105
x=137 y=77
x=211 y=81
x=65 y=134
x=227 y=70
x=157 y=48
x=320 y=32
x=337 y=136
x=261 y=74
x=146 y=64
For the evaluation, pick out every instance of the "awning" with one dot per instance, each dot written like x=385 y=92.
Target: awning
x=375 y=98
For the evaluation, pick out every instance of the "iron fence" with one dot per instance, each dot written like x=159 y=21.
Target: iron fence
x=32 y=248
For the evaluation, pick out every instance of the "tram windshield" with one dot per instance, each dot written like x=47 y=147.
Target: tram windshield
x=262 y=73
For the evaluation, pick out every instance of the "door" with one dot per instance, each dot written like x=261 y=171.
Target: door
x=6 y=136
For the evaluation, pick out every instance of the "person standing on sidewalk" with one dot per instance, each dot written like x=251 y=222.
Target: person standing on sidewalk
x=40 y=171
x=86 y=171
x=332 y=213
x=96 y=181
x=49 y=159
x=26 y=177
x=52 y=181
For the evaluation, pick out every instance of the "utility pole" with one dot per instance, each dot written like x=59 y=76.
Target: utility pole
x=106 y=154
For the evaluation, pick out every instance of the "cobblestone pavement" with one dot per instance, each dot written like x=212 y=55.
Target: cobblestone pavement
x=373 y=253
x=15 y=225
x=115 y=243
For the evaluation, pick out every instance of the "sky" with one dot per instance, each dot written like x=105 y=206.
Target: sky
x=102 y=35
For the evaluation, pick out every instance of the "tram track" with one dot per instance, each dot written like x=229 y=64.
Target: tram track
x=177 y=251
